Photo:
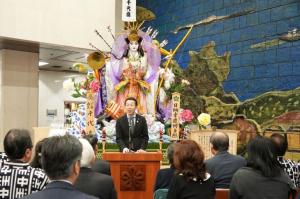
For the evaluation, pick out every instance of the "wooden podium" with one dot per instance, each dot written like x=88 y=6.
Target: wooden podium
x=134 y=174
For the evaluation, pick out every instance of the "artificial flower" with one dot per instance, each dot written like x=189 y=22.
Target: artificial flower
x=204 y=119
x=185 y=82
x=94 y=86
x=186 y=115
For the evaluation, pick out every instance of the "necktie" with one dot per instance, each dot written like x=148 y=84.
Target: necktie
x=131 y=130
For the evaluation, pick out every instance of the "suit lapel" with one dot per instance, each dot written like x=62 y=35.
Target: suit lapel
x=137 y=123
x=125 y=119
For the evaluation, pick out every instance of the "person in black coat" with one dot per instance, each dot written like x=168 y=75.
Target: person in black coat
x=191 y=179
x=223 y=165
x=91 y=182
x=100 y=166
x=61 y=162
x=131 y=129
x=164 y=176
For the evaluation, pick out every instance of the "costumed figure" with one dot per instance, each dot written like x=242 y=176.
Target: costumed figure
x=134 y=69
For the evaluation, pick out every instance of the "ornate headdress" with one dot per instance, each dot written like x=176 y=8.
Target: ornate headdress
x=133 y=28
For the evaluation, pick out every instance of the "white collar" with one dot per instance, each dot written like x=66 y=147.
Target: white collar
x=134 y=115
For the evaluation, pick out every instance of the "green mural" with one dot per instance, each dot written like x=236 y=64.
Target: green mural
x=207 y=71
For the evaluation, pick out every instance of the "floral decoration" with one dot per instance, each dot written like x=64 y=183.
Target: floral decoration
x=90 y=83
x=204 y=120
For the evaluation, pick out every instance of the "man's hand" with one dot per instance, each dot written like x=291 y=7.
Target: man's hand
x=140 y=151
x=125 y=150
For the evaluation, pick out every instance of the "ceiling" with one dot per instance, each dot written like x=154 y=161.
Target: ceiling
x=59 y=58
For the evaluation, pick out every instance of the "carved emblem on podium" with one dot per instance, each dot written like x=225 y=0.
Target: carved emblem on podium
x=132 y=177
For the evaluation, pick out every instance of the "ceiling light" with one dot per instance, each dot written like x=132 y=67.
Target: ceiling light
x=42 y=63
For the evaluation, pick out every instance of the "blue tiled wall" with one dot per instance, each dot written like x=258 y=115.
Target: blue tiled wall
x=253 y=71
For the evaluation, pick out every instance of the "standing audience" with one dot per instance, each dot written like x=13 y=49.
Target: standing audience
x=290 y=167
x=223 y=165
x=164 y=176
x=263 y=177
x=100 y=166
x=91 y=182
x=17 y=177
x=61 y=161
x=191 y=179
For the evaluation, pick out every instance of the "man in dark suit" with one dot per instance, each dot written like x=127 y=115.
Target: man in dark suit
x=61 y=162
x=91 y=182
x=100 y=166
x=223 y=165
x=131 y=129
x=164 y=176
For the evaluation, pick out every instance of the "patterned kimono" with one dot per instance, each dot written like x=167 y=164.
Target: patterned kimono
x=18 y=179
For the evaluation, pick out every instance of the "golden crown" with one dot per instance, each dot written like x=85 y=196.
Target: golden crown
x=133 y=28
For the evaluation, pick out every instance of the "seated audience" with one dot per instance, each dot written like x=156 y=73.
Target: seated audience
x=290 y=167
x=61 y=161
x=91 y=182
x=263 y=177
x=36 y=160
x=223 y=165
x=191 y=180
x=100 y=166
x=164 y=176
x=17 y=177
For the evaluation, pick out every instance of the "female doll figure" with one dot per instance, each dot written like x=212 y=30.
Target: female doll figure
x=134 y=70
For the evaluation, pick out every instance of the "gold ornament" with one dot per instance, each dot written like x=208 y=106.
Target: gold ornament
x=96 y=60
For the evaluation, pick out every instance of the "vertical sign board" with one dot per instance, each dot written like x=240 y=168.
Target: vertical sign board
x=129 y=10
x=90 y=120
x=175 y=116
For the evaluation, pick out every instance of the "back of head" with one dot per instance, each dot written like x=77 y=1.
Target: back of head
x=16 y=142
x=262 y=156
x=36 y=161
x=88 y=155
x=280 y=143
x=170 y=153
x=92 y=140
x=189 y=160
x=219 y=141
x=59 y=153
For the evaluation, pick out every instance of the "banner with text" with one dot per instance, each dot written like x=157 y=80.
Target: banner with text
x=129 y=10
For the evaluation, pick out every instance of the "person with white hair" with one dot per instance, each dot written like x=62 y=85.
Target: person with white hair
x=91 y=182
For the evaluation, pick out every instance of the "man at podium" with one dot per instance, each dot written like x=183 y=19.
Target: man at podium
x=131 y=129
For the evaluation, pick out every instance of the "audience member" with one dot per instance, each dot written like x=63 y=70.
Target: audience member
x=36 y=161
x=263 y=177
x=191 y=180
x=3 y=158
x=164 y=176
x=223 y=165
x=17 y=177
x=100 y=166
x=92 y=182
x=290 y=167
x=61 y=161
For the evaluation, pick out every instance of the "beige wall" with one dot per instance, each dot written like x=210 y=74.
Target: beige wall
x=52 y=95
x=19 y=90
x=61 y=22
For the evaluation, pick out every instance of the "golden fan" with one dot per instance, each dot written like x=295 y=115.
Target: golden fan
x=96 y=60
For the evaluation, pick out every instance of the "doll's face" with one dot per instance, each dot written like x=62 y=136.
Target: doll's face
x=133 y=46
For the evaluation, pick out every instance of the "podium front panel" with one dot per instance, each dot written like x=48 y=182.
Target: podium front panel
x=134 y=174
